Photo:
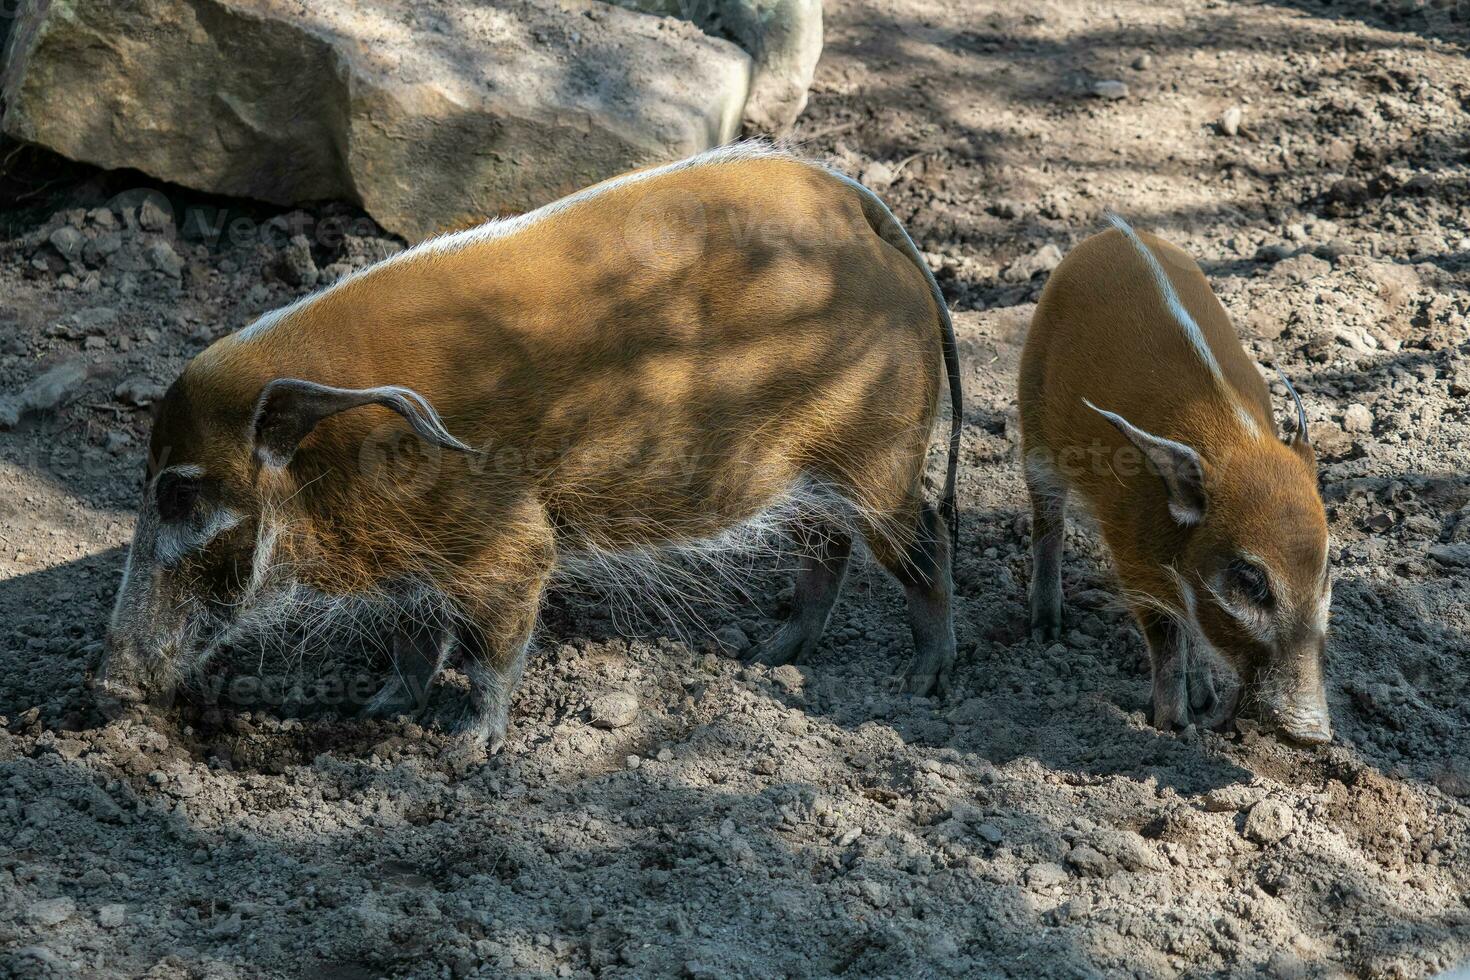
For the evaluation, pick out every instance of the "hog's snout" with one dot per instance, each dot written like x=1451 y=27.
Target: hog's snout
x=1308 y=724
x=1300 y=716
x=128 y=677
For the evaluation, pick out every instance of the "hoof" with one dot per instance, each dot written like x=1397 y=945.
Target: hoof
x=1046 y=624
x=1173 y=720
x=464 y=752
x=922 y=684
x=1203 y=706
x=478 y=735
x=394 y=700
x=786 y=647
x=1046 y=633
x=1203 y=700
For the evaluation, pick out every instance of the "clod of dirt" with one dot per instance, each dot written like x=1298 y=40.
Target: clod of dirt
x=1357 y=418
x=51 y=911
x=1230 y=121
x=295 y=264
x=1109 y=88
x=789 y=678
x=1090 y=862
x=614 y=710
x=1269 y=821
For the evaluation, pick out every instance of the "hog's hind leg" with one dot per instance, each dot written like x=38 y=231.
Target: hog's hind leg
x=922 y=566
x=1048 y=532
x=825 y=548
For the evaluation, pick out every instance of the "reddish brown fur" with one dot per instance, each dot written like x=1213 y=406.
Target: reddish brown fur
x=812 y=348
x=1102 y=333
x=622 y=390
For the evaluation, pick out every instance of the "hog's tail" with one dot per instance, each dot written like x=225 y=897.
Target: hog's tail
x=891 y=231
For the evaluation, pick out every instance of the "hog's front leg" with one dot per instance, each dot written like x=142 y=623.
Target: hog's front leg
x=493 y=665
x=491 y=650
x=496 y=627
x=1203 y=699
x=420 y=650
x=1168 y=650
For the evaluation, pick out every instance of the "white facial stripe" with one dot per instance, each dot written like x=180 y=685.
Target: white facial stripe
x=265 y=551
x=171 y=542
x=188 y=471
x=124 y=594
x=1319 y=610
x=174 y=541
x=1191 y=608
x=1247 y=618
x=505 y=227
x=1259 y=625
x=1187 y=594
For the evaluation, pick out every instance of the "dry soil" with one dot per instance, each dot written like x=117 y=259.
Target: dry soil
x=804 y=822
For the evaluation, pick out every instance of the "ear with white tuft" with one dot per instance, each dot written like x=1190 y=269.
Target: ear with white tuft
x=1300 y=435
x=289 y=409
x=1179 y=466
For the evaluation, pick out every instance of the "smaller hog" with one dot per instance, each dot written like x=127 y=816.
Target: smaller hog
x=1136 y=395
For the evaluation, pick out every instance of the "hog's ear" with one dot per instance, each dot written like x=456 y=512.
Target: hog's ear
x=289 y=408
x=1298 y=440
x=1299 y=437
x=1178 y=466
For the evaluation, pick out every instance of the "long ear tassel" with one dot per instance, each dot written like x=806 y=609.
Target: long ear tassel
x=1301 y=412
x=1178 y=465
x=288 y=409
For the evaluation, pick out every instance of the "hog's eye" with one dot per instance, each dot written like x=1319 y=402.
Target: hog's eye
x=1249 y=581
x=176 y=496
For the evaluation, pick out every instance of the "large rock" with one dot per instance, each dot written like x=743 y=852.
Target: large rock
x=428 y=114
x=784 y=37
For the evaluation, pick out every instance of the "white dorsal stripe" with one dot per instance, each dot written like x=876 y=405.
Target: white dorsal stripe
x=504 y=227
x=1185 y=320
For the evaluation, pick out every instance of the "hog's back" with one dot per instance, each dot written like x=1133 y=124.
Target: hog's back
x=658 y=360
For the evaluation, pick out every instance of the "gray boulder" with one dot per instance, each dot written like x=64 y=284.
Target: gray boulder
x=784 y=37
x=431 y=115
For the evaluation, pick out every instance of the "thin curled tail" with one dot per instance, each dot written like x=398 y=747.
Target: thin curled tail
x=891 y=231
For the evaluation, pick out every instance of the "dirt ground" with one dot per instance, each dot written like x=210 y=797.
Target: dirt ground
x=803 y=822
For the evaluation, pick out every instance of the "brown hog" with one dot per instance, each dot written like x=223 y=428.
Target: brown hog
x=1136 y=394
x=651 y=362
